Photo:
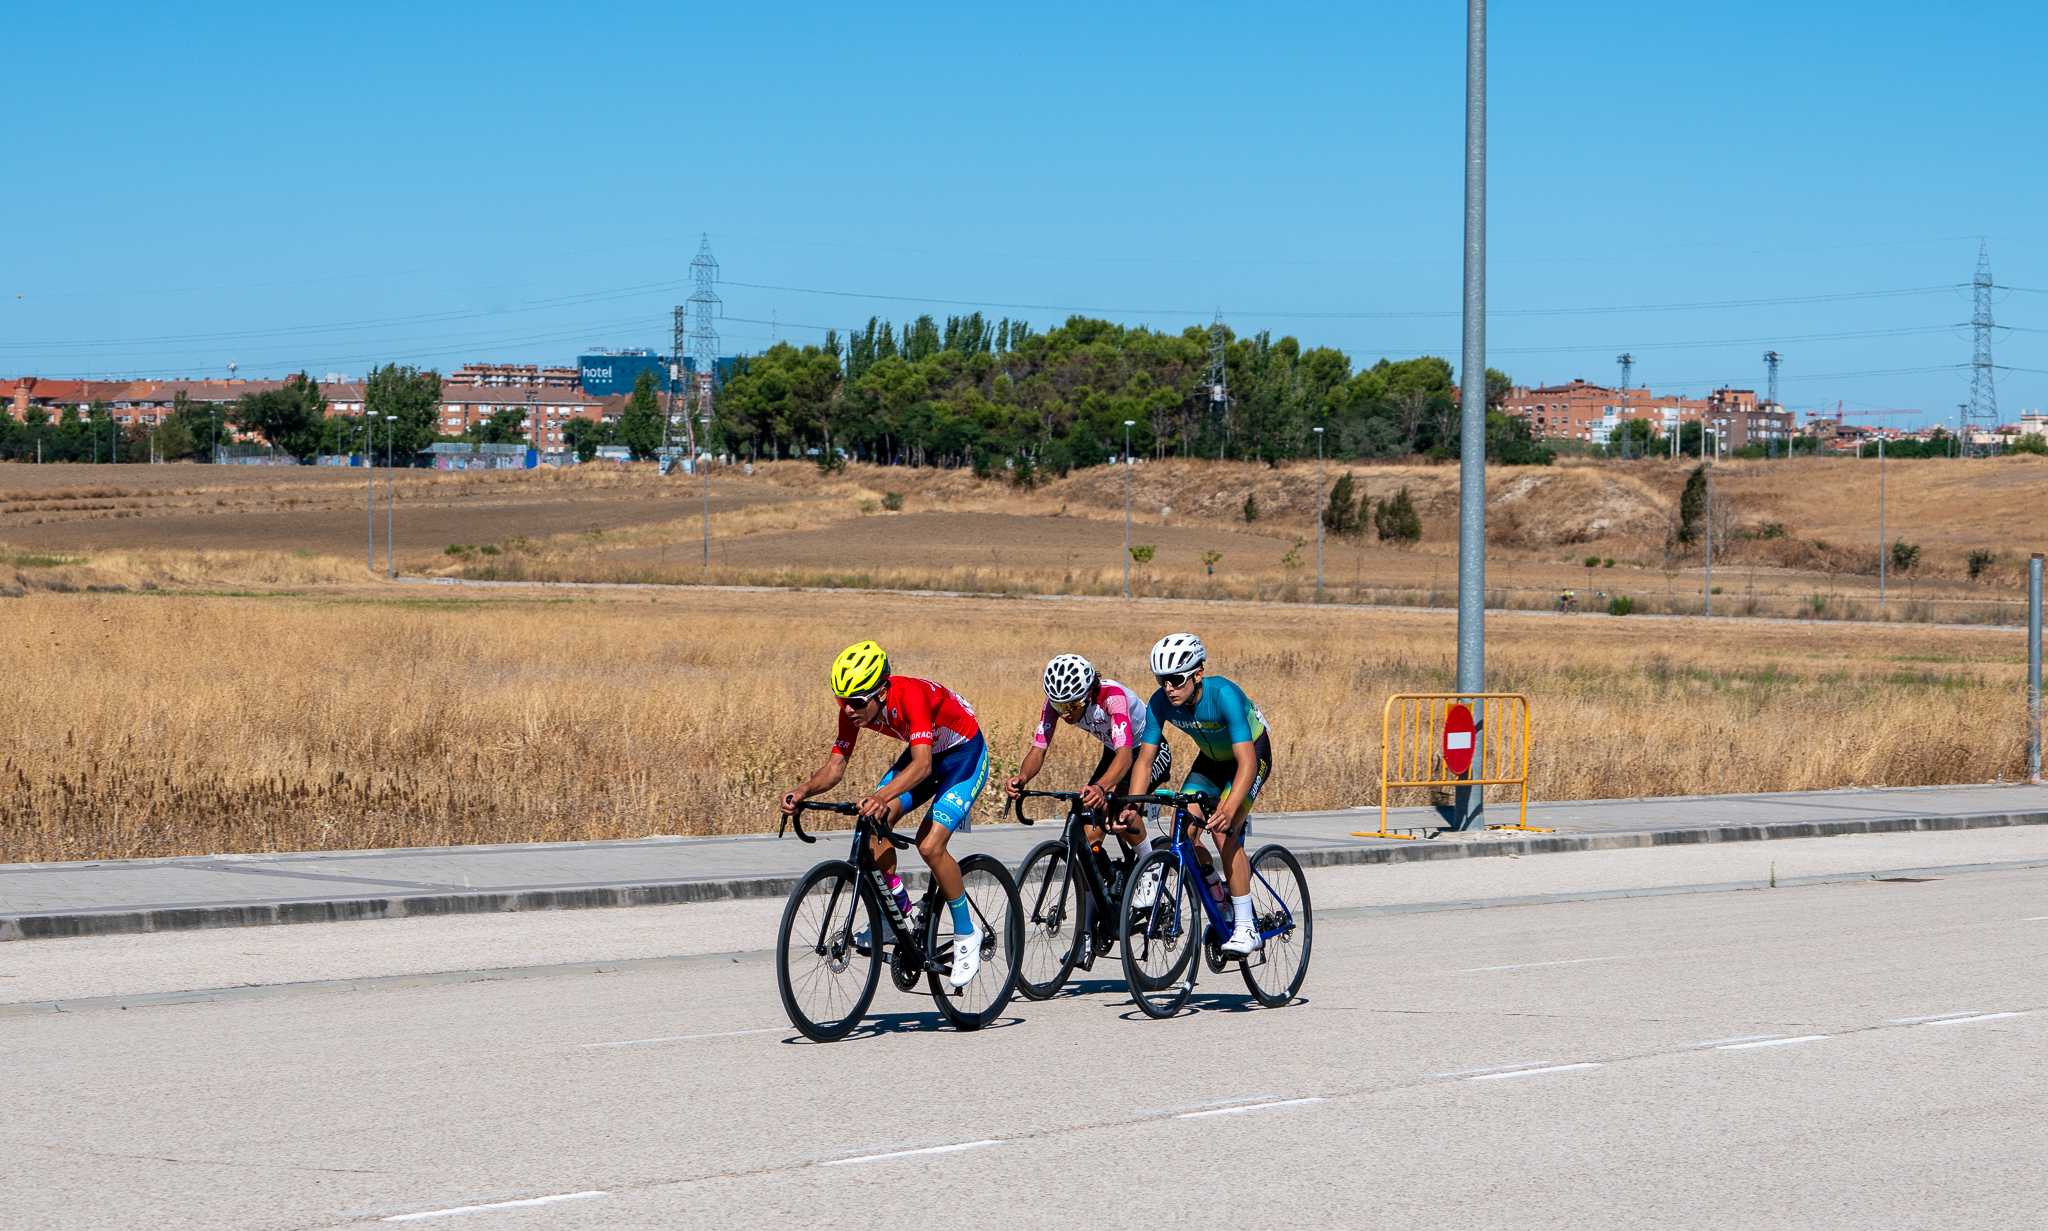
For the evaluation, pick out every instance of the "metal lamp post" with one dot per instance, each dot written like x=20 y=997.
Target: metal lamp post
x=704 y=464
x=369 y=490
x=1322 y=487
x=390 y=497
x=1469 y=802
x=1880 y=524
x=1128 y=425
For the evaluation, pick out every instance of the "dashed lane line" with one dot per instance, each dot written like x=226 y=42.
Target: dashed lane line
x=1570 y=961
x=526 y=1203
x=689 y=1038
x=1241 y=1108
x=954 y=1148
x=1980 y=1017
x=1548 y=1068
x=1785 y=1042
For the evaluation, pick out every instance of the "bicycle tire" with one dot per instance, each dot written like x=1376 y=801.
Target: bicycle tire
x=1278 y=885
x=999 y=926
x=822 y=931
x=1169 y=926
x=1055 y=914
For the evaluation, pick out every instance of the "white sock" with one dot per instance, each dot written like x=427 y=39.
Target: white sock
x=1243 y=907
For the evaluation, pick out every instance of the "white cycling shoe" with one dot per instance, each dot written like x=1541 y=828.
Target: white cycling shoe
x=966 y=960
x=1243 y=942
x=1147 y=891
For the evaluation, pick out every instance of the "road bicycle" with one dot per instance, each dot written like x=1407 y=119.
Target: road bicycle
x=1069 y=889
x=829 y=948
x=1158 y=951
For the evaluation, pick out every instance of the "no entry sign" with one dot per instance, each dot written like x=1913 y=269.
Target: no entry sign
x=1460 y=738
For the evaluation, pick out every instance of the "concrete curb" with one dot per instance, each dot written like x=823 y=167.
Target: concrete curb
x=666 y=893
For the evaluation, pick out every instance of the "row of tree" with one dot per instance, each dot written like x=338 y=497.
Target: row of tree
x=1000 y=395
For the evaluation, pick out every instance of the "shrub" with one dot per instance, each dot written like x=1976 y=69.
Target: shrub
x=1620 y=605
x=893 y=501
x=1142 y=552
x=1396 y=519
x=1340 y=514
x=1980 y=560
x=1209 y=559
x=1251 y=508
x=1905 y=555
x=1607 y=563
x=1592 y=562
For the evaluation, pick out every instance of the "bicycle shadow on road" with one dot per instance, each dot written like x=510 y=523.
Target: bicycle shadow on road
x=880 y=1024
x=1215 y=1002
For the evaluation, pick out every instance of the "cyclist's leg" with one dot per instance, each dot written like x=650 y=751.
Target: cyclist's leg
x=885 y=854
x=956 y=780
x=1237 y=866
x=1205 y=777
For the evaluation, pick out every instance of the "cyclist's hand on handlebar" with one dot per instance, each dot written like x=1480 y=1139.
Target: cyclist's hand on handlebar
x=1129 y=814
x=790 y=799
x=1014 y=788
x=1093 y=797
x=1220 y=823
x=874 y=808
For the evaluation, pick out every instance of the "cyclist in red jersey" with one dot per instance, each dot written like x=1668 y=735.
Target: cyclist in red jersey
x=944 y=763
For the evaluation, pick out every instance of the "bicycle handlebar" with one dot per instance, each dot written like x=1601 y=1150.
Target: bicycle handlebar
x=795 y=819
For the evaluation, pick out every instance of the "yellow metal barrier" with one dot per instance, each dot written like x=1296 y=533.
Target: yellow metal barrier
x=1411 y=748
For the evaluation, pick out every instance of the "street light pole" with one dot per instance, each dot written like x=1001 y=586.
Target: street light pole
x=369 y=490
x=1470 y=801
x=390 y=497
x=1128 y=425
x=703 y=462
x=1322 y=488
x=1880 y=524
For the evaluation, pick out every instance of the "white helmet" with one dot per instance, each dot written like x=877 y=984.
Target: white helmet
x=1177 y=654
x=1069 y=677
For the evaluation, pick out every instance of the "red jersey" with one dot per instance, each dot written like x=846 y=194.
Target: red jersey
x=916 y=712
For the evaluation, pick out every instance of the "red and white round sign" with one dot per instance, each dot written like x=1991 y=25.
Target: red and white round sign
x=1460 y=739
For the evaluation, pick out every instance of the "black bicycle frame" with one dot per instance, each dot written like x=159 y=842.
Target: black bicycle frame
x=1079 y=855
x=862 y=857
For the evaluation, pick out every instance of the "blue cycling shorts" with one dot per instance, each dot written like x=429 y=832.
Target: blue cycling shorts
x=956 y=780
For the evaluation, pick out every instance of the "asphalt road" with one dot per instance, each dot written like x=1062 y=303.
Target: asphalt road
x=1847 y=1051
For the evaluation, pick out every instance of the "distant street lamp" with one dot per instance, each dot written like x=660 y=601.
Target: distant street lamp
x=1128 y=425
x=1322 y=489
x=369 y=489
x=390 y=497
x=704 y=463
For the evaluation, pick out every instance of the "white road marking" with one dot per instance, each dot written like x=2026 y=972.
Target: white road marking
x=495 y=1205
x=685 y=1038
x=1797 y=1038
x=1548 y=1068
x=1153 y=1112
x=1980 y=1017
x=1241 y=1108
x=1490 y=1068
x=1740 y=1038
x=1932 y=1017
x=1570 y=961
x=2035 y=919
x=875 y=1158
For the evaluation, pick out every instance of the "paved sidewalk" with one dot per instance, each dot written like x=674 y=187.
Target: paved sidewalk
x=147 y=895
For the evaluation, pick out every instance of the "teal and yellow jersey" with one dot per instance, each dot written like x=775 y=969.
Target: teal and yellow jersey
x=1220 y=717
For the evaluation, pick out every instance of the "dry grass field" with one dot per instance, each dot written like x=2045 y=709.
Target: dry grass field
x=144 y=724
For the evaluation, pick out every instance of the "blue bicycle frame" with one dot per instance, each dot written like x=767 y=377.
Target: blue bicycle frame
x=1221 y=923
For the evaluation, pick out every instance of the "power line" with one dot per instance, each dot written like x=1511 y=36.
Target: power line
x=1785 y=300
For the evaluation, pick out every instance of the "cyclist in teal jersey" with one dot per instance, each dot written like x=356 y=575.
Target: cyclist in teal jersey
x=1233 y=759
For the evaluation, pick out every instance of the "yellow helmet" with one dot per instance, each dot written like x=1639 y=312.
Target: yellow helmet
x=859 y=670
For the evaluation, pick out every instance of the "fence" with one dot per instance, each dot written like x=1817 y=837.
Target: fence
x=1412 y=727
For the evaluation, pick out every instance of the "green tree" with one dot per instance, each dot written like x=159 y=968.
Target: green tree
x=1636 y=438
x=1396 y=520
x=506 y=426
x=411 y=396
x=584 y=436
x=1340 y=512
x=289 y=418
x=2032 y=442
x=1251 y=508
x=1692 y=504
x=1905 y=555
x=640 y=425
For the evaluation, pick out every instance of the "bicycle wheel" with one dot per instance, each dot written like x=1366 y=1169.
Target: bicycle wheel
x=826 y=983
x=998 y=929
x=1279 y=901
x=1161 y=941
x=1055 y=920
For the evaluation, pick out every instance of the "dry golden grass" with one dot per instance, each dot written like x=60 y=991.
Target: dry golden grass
x=145 y=725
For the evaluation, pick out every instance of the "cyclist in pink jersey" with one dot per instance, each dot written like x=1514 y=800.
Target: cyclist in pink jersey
x=1111 y=712
x=944 y=763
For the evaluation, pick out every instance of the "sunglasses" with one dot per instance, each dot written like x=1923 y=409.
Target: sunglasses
x=1067 y=709
x=1175 y=681
x=861 y=703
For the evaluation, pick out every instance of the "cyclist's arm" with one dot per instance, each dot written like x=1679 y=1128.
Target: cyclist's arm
x=1034 y=761
x=917 y=771
x=826 y=777
x=1119 y=769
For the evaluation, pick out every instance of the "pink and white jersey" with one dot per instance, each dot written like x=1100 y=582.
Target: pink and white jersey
x=1114 y=714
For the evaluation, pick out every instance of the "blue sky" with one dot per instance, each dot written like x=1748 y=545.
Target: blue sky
x=329 y=187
